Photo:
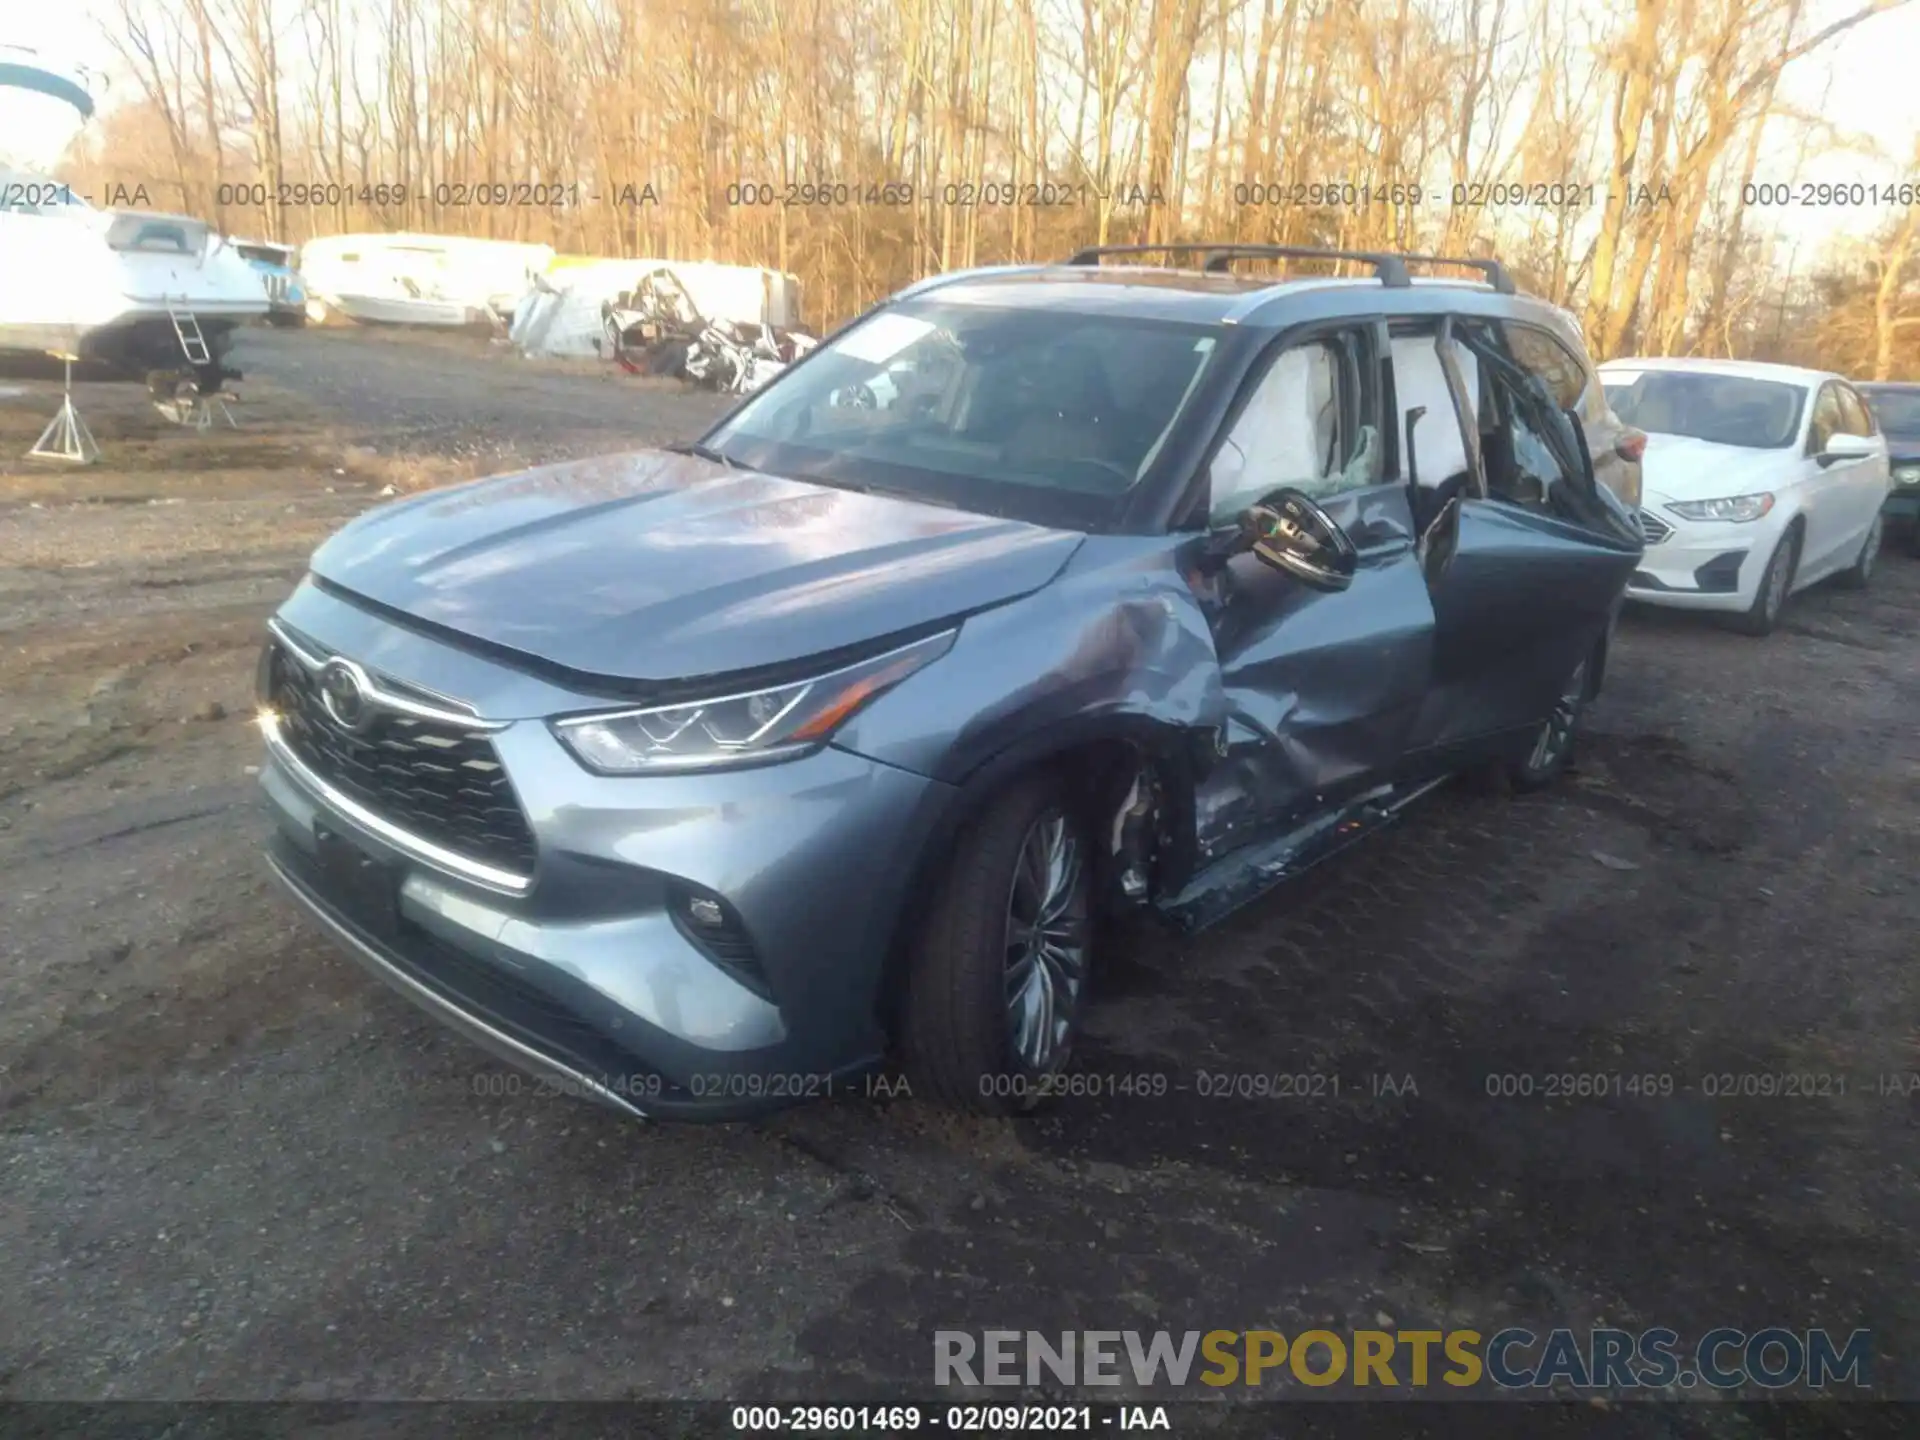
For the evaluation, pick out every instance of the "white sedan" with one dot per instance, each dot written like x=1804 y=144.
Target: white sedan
x=1757 y=481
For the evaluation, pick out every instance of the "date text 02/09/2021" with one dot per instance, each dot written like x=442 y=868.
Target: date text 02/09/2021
x=965 y=1420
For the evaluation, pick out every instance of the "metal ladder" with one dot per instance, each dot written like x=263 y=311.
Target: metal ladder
x=193 y=345
x=193 y=342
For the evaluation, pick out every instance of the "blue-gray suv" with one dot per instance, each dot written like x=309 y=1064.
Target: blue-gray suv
x=703 y=780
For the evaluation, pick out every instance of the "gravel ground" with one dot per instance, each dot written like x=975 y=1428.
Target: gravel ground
x=234 y=1167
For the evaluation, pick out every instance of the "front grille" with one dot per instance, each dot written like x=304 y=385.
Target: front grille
x=1652 y=528
x=438 y=781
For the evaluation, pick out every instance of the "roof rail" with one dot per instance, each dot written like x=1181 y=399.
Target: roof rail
x=955 y=277
x=1390 y=269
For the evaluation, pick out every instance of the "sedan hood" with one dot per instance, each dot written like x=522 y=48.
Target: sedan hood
x=1679 y=467
x=661 y=566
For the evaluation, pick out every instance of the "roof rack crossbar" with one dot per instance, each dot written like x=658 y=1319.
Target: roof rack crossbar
x=1389 y=269
x=1496 y=273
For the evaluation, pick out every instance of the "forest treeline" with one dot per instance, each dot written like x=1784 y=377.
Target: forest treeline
x=1626 y=158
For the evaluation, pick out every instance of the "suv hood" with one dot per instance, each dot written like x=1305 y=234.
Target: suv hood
x=661 y=566
x=1679 y=467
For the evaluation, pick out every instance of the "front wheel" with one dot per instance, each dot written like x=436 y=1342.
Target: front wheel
x=1776 y=583
x=999 y=971
x=1859 y=575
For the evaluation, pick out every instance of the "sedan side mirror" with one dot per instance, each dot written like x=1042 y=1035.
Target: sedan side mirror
x=1847 y=447
x=1289 y=532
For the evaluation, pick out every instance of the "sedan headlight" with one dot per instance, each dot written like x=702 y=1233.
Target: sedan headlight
x=1906 y=474
x=1738 y=508
x=776 y=723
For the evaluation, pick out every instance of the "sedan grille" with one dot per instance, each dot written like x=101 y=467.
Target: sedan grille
x=1652 y=528
x=441 y=782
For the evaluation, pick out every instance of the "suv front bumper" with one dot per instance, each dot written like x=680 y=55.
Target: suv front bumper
x=590 y=977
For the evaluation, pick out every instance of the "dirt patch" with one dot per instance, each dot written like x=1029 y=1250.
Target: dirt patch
x=242 y=1169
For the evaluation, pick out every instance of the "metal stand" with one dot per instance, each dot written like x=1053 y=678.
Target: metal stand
x=205 y=407
x=67 y=438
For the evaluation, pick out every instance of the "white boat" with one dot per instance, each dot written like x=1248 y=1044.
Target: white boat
x=444 y=280
x=109 y=285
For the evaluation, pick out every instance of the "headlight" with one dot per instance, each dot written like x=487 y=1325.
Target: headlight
x=760 y=725
x=1734 y=507
x=1906 y=474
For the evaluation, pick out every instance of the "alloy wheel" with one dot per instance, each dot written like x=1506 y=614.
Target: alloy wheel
x=1557 y=732
x=1870 y=552
x=1779 y=575
x=1046 y=941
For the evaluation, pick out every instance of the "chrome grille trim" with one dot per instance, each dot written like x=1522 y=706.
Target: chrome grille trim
x=405 y=841
x=1652 y=528
x=407 y=699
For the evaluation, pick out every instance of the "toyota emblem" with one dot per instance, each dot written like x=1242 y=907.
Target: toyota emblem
x=344 y=694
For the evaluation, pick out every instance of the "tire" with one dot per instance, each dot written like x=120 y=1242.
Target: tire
x=1554 y=743
x=1776 y=584
x=1859 y=575
x=960 y=1031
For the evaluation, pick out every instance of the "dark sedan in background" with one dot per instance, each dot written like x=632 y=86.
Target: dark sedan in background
x=1897 y=409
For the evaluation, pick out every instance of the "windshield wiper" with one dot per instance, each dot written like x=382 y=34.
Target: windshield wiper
x=705 y=452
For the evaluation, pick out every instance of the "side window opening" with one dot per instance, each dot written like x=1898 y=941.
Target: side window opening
x=1309 y=425
x=1439 y=451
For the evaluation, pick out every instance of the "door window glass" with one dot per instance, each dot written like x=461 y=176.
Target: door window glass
x=1853 y=412
x=1566 y=377
x=1827 y=420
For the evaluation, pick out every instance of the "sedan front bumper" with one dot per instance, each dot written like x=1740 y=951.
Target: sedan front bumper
x=1703 y=565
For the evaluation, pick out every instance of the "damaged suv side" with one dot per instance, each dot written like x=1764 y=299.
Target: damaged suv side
x=700 y=781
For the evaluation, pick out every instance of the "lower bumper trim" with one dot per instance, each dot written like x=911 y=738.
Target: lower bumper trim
x=489 y=1038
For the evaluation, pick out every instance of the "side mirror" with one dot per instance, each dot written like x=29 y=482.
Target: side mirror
x=1289 y=532
x=1847 y=447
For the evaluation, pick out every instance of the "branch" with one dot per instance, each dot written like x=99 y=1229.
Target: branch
x=1810 y=44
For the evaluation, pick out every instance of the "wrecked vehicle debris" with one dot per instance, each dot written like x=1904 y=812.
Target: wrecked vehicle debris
x=703 y=780
x=657 y=328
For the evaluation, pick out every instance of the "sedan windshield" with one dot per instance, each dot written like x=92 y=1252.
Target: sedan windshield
x=1897 y=409
x=1724 y=409
x=1034 y=414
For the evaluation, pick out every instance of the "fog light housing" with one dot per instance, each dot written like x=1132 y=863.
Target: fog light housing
x=713 y=928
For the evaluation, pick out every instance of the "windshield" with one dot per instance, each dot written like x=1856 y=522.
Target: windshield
x=1898 y=411
x=1724 y=409
x=1034 y=414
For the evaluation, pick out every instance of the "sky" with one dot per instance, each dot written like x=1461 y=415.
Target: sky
x=1864 y=84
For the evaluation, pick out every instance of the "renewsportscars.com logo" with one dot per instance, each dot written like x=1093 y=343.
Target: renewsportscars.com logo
x=1510 y=1359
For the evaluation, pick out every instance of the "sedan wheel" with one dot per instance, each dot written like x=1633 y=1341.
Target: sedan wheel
x=1857 y=575
x=1775 y=585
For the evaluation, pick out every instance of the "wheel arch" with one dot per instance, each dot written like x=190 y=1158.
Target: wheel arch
x=1095 y=759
